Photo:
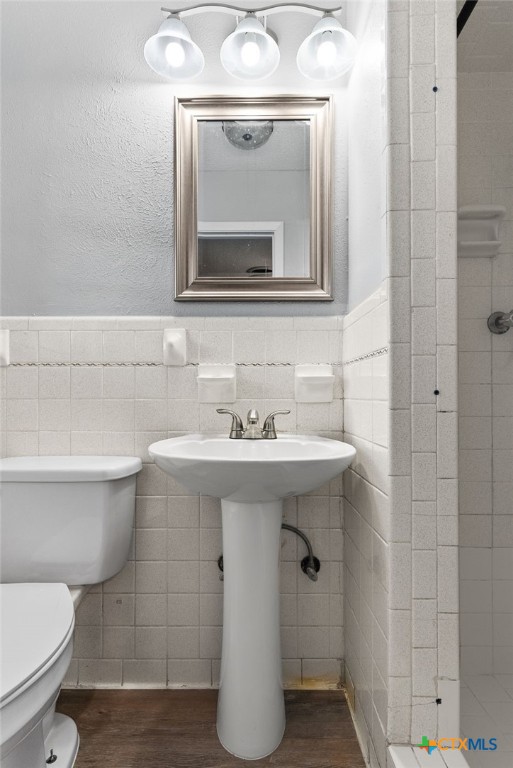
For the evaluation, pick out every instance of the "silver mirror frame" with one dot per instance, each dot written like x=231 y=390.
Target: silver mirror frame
x=188 y=112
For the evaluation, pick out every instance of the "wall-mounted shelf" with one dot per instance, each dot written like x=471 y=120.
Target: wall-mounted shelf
x=478 y=230
x=314 y=383
x=217 y=384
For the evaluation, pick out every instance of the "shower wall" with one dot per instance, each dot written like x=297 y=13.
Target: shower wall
x=401 y=537
x=485 y=158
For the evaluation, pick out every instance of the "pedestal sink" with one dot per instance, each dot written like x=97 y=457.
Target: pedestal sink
x=251 y=477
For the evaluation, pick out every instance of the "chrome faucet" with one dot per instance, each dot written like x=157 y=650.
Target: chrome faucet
x=252 y=430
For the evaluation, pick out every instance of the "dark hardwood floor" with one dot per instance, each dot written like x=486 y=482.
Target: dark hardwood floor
x=177 y=729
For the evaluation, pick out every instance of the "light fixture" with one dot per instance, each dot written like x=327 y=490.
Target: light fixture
x=172 y=53
x=328 y=52
x=251 y=52
x=248 y=134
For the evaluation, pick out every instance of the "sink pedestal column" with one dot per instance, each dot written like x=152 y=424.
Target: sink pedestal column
x=251 y=711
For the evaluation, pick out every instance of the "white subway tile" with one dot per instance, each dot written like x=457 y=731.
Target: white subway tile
x=397 y=44
x=423 y=136
x=423 y=184
x=424 y=574
x=86 y=382
x=249 y=347
x=54 y=346
x=423 y=330
x=99 y=673
x=22 y=383
x=424 y=671
x=54 y=383
x=216 y=347
x=423 y=283
x=424 y=476
x=422 y=81
x=423 y=233
x=118 y=346
x=54 y=443
x=54 y=415
x=86 y=346
x=190 y=672
x=447 y=564
x=475 y=367
x=85 y=443
x=144 y=673
x=24 y=346
x=151 y=643
x=148 y=346
x=22 y=415
x=446 y=236
x=398 y=177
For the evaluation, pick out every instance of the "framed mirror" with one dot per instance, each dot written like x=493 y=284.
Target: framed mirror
x=253 y=198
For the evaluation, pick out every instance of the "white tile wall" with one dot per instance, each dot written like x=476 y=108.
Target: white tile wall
x=417 y=607
x=158 y=622
x=485 y=155
x=367 y=516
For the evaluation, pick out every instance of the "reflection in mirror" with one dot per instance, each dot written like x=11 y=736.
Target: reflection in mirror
x=254 y=198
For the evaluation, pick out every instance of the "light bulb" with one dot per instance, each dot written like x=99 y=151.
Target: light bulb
x=250 y=52
x=175 y=54
x=327 y=51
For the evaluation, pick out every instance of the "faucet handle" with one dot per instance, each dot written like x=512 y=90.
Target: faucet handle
x=269 y=430
x=237 y=427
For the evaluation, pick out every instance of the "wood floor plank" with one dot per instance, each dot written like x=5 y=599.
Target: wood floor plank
x=176 y=729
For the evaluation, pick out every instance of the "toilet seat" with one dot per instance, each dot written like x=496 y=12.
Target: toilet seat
x=37 y=621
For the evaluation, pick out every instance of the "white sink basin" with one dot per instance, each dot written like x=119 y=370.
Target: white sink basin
x=252 y=470
x=251 y=477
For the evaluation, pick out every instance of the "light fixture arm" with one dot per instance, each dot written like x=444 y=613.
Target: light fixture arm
x=268 y=10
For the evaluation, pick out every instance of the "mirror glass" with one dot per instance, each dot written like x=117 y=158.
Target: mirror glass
x=253 y=198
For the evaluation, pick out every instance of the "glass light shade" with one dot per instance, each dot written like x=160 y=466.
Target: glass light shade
x=327 y=52
x=248 y=134
x=250 y=53
x=172 y=53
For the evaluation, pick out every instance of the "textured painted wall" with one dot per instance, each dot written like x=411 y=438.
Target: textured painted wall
x=87 y=166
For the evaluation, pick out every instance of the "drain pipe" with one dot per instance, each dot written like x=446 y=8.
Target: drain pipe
x=309 y=564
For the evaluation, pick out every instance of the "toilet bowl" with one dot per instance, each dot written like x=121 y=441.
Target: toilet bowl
x=64 y=520
x=36 y=644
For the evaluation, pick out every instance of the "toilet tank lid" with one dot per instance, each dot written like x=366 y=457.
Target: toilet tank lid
x=67 y=469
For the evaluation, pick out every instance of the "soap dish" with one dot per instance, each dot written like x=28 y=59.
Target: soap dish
x=478 y=230
x=314 y=383
x=216 y=384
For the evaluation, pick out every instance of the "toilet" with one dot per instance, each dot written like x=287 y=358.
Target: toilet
x=65 y=521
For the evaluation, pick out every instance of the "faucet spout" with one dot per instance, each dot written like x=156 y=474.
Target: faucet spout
x=253 y=429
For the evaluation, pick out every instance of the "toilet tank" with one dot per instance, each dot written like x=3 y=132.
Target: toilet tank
x=66 y=518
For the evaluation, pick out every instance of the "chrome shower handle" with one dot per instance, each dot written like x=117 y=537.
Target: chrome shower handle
x=500 y=322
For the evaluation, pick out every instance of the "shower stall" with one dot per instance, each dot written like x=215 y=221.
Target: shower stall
x=485 y=288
